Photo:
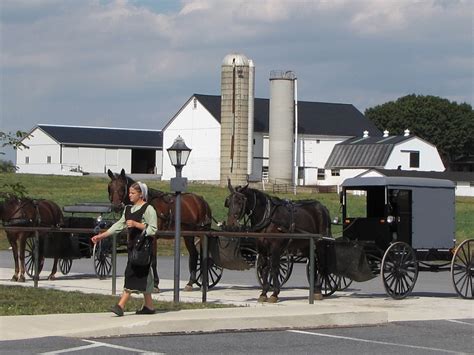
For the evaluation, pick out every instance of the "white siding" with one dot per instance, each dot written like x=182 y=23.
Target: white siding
x=201 y=132
x=429 y=156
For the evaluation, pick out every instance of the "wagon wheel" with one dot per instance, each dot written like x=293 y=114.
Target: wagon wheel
x=462 y=269
x=102 y=256
x=284 y=271
x=214 y=272
x=65 y=266
x=344 y=283
x=30 y=258
x=330 y=283
x=399 y=270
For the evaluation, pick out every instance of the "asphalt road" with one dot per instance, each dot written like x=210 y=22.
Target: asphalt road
x=428 y=337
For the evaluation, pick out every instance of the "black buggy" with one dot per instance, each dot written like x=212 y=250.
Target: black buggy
x=405 y=225
x=87 y=218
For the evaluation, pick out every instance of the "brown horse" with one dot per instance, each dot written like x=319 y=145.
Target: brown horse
x=196 y=215
x=269 y=214
x=28 y=212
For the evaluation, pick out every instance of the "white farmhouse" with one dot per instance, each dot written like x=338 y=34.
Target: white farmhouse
x=74 y=150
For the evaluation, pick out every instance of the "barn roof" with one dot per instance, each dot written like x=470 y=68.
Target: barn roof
x=363 y=152
x=458 y=176
x=318 y=118
x=104 y=137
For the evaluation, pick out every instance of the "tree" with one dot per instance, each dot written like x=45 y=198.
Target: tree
x=14 y=140
x=447 y=125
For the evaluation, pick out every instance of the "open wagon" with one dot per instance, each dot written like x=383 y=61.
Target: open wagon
x=86 y=217
x=406 y=225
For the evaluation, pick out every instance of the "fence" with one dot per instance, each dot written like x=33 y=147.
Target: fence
x=204 y=235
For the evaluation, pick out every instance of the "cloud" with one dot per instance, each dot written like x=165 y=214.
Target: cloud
x=134 y=63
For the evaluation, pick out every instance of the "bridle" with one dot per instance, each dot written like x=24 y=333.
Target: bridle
x=23 y=219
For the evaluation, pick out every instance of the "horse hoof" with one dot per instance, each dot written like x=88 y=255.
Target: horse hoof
x=14 y=278
x=262 y=299
x=188 y=288
x=156 y=289
x=21 y=279
x=273 y=299
x=51 y=277
x=318 y=296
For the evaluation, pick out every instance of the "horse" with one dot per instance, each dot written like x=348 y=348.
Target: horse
x=27 y=212
x=196 y=215
x=260 y=212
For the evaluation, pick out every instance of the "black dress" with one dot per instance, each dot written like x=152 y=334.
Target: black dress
x=135 y=276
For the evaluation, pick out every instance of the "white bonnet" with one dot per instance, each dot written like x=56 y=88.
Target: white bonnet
x=144 y=190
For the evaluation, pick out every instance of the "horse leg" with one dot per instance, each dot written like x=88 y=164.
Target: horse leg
x=154 y=266
x=22 y=240
x=52 y=276
x=193 y=259
x=275 y=271
x=264 y=272
x=12 y=239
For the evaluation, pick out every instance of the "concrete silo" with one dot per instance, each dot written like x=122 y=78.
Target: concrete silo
x=237 y=87
x=281 y=127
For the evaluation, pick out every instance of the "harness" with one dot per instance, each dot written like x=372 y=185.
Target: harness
x=24 y=220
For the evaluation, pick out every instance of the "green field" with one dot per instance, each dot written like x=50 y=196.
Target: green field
x=67 y=190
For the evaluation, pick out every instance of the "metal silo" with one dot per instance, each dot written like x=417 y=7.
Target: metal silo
x=281 y=127
x=236 y=93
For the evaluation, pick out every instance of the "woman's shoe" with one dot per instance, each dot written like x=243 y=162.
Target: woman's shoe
x=117 y=310
x=145 y=310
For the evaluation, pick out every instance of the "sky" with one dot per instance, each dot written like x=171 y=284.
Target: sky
x=133 y=64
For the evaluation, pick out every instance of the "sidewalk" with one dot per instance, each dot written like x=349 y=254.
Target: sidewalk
x=293 y=311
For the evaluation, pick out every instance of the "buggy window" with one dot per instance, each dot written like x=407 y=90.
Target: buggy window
x=365 y=203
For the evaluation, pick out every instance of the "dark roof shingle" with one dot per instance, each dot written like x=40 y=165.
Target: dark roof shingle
x=104 y=137
x=318 y=118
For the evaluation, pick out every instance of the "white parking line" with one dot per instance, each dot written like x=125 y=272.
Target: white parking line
x=375 y=342
x=96 y=344
x=458 y=321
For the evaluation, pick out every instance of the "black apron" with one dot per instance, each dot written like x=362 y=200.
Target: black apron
x=135 y=276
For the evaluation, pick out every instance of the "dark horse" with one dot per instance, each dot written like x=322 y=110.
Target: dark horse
x=26 y=212
x=196 y=215
x=269 y=214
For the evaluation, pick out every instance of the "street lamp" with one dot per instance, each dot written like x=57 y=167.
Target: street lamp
x=179 y=154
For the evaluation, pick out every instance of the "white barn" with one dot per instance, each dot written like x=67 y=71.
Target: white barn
x=321 y=126
x=75 y=150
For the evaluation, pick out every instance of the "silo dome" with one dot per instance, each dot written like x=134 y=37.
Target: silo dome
x=240 y=59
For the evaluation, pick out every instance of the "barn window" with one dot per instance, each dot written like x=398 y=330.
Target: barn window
x=300 y=172
x=48 y=159
x=321 y=174
x=335 y=172
x=27 y=160
x=414 y=159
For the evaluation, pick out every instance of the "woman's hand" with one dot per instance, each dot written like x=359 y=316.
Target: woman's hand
x=133 y=224
x=96 y=238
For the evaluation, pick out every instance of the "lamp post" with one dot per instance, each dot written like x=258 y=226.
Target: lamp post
x=179 y=154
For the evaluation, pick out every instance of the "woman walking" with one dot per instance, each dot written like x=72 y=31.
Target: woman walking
x=136 y=218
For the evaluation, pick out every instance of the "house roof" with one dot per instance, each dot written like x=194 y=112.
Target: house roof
x=104 y=137
x=447 y=175
x=318 y=118
x=363 y=152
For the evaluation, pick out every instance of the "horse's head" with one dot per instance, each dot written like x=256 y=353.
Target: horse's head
x=118 y=190
x=236 y=202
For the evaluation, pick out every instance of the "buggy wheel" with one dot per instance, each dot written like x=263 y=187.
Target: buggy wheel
x=284 y=271
x=344 y=283
x=329 y=282
x=399 y=270
x=462 y=269
x=102 y=256
x=214 y=272
x=30 y=258
x=65 y=266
